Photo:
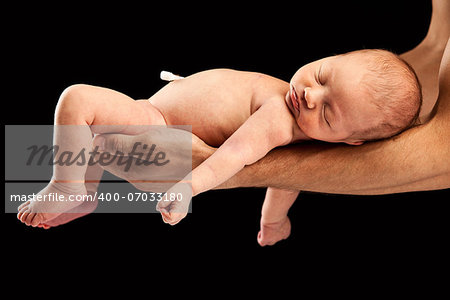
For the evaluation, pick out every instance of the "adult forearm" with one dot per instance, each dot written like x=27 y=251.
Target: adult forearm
x=439 y=29
x=390 y=166
x=425 y=58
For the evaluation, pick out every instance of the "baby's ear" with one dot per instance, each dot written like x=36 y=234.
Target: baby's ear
x=355 y=143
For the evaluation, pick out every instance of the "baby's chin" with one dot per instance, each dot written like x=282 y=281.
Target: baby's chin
x=303 y=129
x=311 y=134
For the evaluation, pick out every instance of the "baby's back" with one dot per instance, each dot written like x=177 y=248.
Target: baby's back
x=215 y=102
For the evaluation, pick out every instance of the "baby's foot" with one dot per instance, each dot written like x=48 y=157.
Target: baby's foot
x=55 y=199
x=81 y=210
x=175 y=203
x=271 y=233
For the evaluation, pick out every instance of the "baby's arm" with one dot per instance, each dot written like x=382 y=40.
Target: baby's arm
x=275 y=224
x=266 y=129
x=262 y=132
x=276 y=204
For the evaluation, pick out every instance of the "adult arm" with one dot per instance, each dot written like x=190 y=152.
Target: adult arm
x=425 y=58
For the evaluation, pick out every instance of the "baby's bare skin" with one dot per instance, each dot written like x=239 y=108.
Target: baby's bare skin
x=216 y=102
x=197 y=100
x=242 y=112
x=246 y=114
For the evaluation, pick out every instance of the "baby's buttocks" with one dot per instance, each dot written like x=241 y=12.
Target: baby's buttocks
x=215 y=103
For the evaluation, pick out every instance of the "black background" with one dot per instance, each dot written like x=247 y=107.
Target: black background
x=125 y=48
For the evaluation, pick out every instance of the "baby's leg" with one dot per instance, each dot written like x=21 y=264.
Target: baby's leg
x=92 y=180
x=84 y=106
x=275 y=224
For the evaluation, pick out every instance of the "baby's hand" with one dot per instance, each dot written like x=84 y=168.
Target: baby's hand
x=273 y=232
x=175 y=203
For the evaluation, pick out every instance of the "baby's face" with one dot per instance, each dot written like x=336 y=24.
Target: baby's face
x=328 y=102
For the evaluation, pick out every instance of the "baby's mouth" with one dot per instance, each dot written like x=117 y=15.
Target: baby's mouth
x=294 y=99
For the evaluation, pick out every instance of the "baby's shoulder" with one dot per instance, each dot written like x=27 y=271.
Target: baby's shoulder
x=233 y=81
x=222 y=74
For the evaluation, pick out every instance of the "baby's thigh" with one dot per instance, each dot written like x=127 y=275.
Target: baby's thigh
x=131 y=117
x=105 y=110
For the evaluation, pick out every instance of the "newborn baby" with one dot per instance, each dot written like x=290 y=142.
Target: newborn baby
x=349 y=98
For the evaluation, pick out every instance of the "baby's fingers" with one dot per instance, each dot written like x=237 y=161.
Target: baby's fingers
x=163 y=205
x=168 y=218
x=172 y=218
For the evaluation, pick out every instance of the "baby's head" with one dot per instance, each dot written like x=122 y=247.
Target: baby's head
x=354 y=97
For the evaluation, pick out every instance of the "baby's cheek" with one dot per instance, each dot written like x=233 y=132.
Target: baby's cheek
x=309 y=128
x=304 y=121
x=304 y=126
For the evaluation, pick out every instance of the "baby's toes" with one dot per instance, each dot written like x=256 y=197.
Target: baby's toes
x=44 y=226
x=20 y=214
x=23 y=205
x=23 y=208
x=36 y=220
x=23 y=214
x=28 y=218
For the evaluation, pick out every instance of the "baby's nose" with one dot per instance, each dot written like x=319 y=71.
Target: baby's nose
x=309 y=98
